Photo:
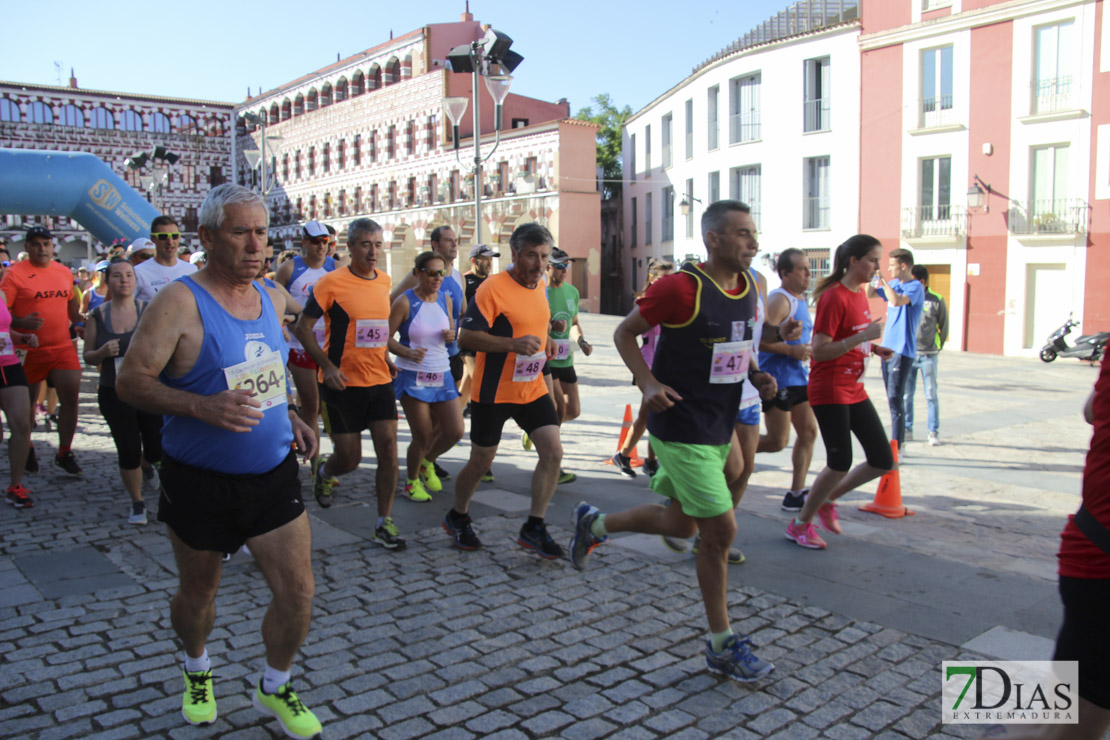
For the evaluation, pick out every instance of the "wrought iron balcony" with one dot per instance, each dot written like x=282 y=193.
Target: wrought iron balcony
x=934 y=222
x=1053 y=216
x=1052 y=95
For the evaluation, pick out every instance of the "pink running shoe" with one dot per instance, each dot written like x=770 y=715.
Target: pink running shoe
x=805 y=535
x=830 y=520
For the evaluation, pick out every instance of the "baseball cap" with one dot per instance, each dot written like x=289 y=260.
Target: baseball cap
x=139 y=245
x=196 y=257
x=559 y=257
x=483 y=250
x=102 y=265
x=314 y=229
x=38 y=231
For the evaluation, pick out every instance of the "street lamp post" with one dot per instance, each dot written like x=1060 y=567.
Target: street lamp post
x=477 y=58
x=161 y=159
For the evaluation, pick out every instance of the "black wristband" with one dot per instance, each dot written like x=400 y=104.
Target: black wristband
x=295 y=408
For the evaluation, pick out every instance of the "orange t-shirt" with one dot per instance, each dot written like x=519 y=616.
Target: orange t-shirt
x=356 y=324
x=502 y=307
x=46 y=291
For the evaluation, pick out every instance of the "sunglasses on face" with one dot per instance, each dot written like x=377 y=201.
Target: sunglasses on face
x=320 y=240
x=433 y=273
x=164 y=235
x=140 y=256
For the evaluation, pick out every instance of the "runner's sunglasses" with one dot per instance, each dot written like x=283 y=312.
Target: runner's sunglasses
x=163 y=235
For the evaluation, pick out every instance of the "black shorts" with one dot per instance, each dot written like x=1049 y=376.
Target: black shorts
x=838 y=422
x=467 y=353
x=352 y=410
x=488 y=419
x=456 y=367
x=1083 y=635
x=563 y=374
x=217 y=511
x=787 y=398
x=12 y=375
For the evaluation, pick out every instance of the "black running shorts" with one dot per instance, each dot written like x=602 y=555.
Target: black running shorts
x=1083 y=636
x=352 y=410
x=216 y=511
x=787 y=398
x=488 y=419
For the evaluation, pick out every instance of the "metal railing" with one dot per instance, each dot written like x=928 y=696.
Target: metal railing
x=817 y=115
x=1052 y=95
x=1053 y=216
x=744 y=127
x=803 y=16
x=936 y=111
x=934 y=221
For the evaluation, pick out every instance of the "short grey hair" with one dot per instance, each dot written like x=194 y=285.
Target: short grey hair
x=213 y=209
x=361 y=226
x=715 y=218
x=529 y=235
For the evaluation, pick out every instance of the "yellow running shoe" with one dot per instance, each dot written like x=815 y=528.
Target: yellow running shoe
x=414 y=490
x=295 y=718
x=525 y=441
x=198 y=706
x=431 y=480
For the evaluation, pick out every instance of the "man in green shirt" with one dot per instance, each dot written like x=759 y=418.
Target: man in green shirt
x=562 y=298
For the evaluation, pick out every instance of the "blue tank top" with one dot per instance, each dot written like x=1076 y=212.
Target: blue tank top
x=786 y=370
x=229 y=341
x=452 y=288
x=95 y=299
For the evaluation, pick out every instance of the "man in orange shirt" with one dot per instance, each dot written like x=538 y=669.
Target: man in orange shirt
x=356 y=376
x=40 y=296
x=506 y=325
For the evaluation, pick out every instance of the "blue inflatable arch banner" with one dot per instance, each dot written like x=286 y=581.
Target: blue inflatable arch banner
x=78 y=185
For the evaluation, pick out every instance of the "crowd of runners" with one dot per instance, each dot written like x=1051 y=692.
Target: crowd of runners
x=214 y=381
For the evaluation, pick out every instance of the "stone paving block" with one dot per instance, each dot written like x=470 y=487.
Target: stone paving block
x=364 y=702
x=588 y=729
x=456 y=714
x=588 y=706
x=82 y=728
x=878 y=715
x=826 y=714
x=919 y=724
x=548 y=722
x=82 y=709
x=633 y=733
x=489 y=722
x=406 y=730
x=795 y=731
x=450 y=733
x=499 y=697
x=848 y=732
x=669 y=721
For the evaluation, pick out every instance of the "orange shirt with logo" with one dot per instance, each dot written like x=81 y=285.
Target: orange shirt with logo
x=46 y=291
x=356 y=324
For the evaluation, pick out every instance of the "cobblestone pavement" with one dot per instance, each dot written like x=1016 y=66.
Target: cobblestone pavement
x=428 y=642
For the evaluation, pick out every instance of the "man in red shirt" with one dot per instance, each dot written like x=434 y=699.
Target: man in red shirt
x=39 y=293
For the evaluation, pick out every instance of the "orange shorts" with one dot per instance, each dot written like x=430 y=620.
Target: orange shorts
x=40 y=361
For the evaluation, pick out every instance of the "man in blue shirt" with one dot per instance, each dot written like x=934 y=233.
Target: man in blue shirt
x=905 y=299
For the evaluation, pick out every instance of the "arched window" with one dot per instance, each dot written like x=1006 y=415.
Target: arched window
x=101 y=118
x=275 y=114
x=298 y=105
x=184 y=124
x=129 y=120
x=39 y=112
x=392 y=71
x=216 y=127
x=159 y=123
x=72 y=116
x=358 y=84
x=341 y=90
x=312 y=101
x=406 y=67
x=286 y=109
x=9 y=110
x=375 y=82
x=325 y=95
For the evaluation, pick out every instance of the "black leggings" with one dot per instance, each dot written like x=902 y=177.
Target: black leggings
x=839 y=421
x=1083 y=635
x=136 y=433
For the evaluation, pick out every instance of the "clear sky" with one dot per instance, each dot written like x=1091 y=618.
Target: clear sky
x=216 y=49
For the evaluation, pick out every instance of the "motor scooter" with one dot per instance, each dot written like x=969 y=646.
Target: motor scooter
x=1087 y=347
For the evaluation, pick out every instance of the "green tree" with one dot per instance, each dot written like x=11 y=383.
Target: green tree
x=611 y=119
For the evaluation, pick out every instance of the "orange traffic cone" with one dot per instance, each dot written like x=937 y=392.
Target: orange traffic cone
x=888 y=499
x=626 y=428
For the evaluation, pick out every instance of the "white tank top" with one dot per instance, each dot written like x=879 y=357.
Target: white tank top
x=750 y=395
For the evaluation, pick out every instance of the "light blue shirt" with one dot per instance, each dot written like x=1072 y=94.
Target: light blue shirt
x=900 y=334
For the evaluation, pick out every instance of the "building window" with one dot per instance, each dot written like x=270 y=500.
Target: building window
x=9 y=110
x=433 y=183
x=39 y=112
x=373 y=146
x=159 y=124
x=689 y=129
x=936 y=86
x=711 y=115
x=356 y=150
x=342 y=153
x=690 y=208
x=392 y=194
x=297 y=164
x=647 y=151
x=817 y=98
x=1052 y=82
x=431 y=140
x=102 y=118
x=714 y=187
x=327 y=205
x=668 y=214
x=215 y=175
x=72 y=116
x=356 y=201
x=519 y=122
x=747 y=186
x=410 y=137
x=326 y=157
x=632 y=157
x=634 y=224
x=1048 y=186
x=312 y=207
x=818 y=266
x=342 y=202
x=129 y=120
x=744 y=122
x=391 y=142
x=189 y=176
x=936 y=189
x=531 y=165
x=190 y=218
x=668 y=130
x=453 y=187
x=311 y=161
x=816 y=207
x=284 y=167
x=647 y=218
x=503 y=176
x=373 y=206
x=410 y=192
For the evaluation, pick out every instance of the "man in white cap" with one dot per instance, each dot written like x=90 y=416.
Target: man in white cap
x=139 y=251
x=153 y=275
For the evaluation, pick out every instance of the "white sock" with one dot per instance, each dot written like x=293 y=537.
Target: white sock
x=273 y=679
x=192 y=665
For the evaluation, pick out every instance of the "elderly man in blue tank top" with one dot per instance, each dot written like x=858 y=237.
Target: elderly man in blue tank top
x=209 y=354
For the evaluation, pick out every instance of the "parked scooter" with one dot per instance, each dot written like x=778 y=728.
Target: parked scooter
x=1088 y=347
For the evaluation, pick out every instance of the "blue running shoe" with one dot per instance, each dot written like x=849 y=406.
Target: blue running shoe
x=736 y=660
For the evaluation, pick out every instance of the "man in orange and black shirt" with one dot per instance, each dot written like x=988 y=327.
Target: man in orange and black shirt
x=506 y=325
x=40 y=296
x=356 y=376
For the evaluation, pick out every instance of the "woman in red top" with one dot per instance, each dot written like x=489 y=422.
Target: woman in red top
x=842 y=334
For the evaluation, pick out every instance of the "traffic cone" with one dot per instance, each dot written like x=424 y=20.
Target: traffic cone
x=888 y=499
x=626 y=429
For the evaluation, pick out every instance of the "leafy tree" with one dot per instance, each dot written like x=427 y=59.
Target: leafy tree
x=605 y=112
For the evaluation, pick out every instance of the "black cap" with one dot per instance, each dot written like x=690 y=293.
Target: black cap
x=559 y=257
x=37 y=231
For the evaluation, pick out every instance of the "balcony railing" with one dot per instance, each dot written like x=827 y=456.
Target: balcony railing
x=817 y=114
x=1056 y=216
x=1053 y=95
x=936 y=112
x=937 y=221
x=744 y=127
